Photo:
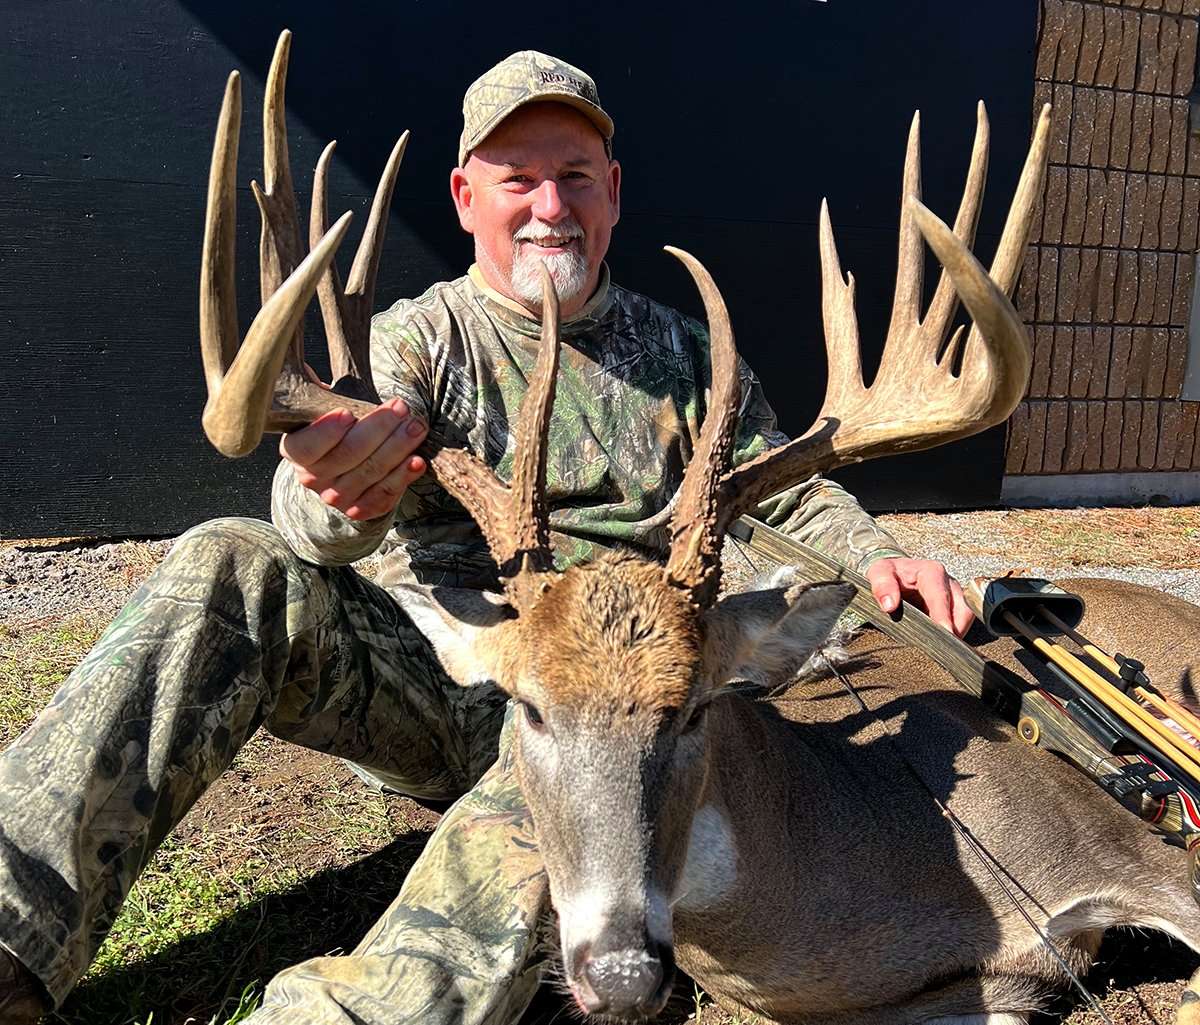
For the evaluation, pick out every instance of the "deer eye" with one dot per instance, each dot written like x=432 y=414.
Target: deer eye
x=695 y=721
x=533 y=715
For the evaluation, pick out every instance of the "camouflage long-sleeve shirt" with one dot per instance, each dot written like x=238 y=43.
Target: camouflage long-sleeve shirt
x=629 y=403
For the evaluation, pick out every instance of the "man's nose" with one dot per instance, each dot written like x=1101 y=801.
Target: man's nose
x=548 y=205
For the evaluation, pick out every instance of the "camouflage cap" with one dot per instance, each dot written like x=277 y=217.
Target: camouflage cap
x=527 y=77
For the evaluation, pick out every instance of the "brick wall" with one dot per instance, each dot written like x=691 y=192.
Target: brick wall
x=1107 y=283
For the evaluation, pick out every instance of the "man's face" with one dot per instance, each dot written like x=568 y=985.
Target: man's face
x=540 y=189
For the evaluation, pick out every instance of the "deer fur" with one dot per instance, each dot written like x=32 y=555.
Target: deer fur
x=788 y=852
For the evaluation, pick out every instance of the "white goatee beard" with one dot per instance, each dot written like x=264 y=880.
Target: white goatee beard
x=568 y=270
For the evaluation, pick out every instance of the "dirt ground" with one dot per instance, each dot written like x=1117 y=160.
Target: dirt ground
x=289 y=855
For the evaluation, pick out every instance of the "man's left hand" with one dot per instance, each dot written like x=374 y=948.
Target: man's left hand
x=927 y=585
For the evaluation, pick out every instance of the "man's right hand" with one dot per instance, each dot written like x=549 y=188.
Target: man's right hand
x=361 y=467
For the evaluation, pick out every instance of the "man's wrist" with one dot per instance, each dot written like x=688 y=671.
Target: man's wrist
x=871 y=558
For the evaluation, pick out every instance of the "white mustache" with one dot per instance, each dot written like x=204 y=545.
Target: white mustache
x=568 y=233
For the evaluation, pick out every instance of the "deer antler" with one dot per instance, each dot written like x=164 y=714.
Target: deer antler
x=514 y=519
x=265 y=386
x=917 y=399
x=347 y=312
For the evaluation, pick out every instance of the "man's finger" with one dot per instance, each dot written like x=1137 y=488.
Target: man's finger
x=961 y=611
x=308 y=445
x=392 y=454
x=884 y=585
x=384 y=496
x=360 y=441
x=934 y=587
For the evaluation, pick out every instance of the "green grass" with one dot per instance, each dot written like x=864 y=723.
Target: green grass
x=247 y=1004
x=33 y=662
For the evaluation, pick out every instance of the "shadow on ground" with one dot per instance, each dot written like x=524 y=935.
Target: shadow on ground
x=1137 y=979
x=329 y=912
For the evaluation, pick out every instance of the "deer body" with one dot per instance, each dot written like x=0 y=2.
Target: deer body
x=791 y=853
x=855 y=899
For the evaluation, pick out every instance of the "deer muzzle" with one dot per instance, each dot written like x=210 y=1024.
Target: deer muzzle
x=631 y=982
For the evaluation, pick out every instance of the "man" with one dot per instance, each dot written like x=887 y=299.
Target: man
x=244 y=625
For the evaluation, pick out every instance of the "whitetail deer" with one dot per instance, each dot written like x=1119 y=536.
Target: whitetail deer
x=790 y=851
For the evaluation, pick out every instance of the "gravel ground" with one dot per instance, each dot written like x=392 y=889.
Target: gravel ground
x=44 y=580
x=966 y=543
x=1183 y=583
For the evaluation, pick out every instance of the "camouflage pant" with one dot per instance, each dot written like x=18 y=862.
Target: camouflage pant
x=232 y=632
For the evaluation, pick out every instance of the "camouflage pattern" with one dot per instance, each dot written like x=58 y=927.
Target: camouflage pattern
x=627 y=414
x=527 y=77
x=233 y=631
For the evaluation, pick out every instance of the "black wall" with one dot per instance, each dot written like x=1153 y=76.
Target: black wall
x=732 y=122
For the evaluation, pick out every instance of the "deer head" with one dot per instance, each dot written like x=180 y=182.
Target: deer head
x=616 y=665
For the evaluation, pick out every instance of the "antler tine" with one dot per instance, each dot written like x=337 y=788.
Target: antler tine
x=280 y=249
x=330 y=294
x=915 y=403
x=1006 y=266
x=697 y=530
x=910 y=264
x=514 y=520
x=841 y=322
x=277 y=171
x=366 y=260
x=347 y=312
x=218 y=294
x=945 y=298
x=531 y=519
x=996 y=368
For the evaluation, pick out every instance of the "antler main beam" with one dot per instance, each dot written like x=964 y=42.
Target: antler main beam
x=918 y=400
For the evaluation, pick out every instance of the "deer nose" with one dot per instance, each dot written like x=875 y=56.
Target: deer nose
x=635 y=981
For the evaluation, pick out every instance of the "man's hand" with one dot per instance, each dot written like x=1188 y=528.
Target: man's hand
x=361 y=467
x=926 y=584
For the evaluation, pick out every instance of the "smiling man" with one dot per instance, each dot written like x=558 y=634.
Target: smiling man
x=536 y=183
x=539 y=190
x=245 y=624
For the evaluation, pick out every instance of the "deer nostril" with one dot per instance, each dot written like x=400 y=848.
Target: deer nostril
x=632 y=980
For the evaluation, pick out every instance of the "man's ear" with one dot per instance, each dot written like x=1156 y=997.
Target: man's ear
x=463 y=625
x=461 y=193
x=766 y=636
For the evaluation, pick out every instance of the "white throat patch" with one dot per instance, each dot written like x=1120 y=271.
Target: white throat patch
x=711 y=866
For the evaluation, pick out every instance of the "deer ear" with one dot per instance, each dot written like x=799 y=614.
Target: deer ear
x=766 y=636
x=463 y=625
